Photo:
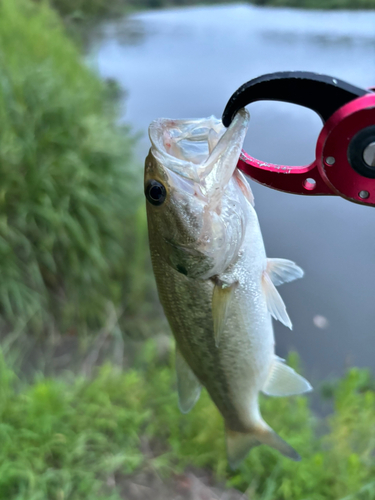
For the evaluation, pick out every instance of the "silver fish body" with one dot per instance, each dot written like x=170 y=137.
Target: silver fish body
x=215 y=283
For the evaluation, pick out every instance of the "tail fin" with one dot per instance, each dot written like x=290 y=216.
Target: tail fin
x=239 y=444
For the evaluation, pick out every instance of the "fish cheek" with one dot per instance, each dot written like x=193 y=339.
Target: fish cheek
x=166 y=235
x=157 y=223
x=188 y=255
x=176 y=228
x=193 y=265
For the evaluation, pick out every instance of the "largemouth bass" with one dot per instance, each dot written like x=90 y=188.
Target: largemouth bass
x=215 y=283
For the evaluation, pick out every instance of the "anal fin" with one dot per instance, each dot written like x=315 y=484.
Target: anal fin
x=284 y=381
x=188 y=386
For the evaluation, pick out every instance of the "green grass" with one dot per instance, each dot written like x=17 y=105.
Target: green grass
x=70 y=190
x=65 y=438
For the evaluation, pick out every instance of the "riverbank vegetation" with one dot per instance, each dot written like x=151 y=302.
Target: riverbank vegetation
x=319 y=4
x=80 y=9
x=68 y=198
x=74 y=438
x=95 y=8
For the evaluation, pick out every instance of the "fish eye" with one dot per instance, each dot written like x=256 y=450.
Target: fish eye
x=155 y=192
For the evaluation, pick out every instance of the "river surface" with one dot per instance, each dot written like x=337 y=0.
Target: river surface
x=186 y=63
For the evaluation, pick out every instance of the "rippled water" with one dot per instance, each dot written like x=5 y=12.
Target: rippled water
x=186 y=63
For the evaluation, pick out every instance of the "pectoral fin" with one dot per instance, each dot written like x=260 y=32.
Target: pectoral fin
x=221 y=299
x=284 y=381
x=283 y=271
x=188 y=386
x=274 y=301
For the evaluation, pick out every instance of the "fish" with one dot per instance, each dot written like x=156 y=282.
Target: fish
x=214 y=280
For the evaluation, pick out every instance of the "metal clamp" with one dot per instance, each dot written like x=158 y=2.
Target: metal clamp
x=344 y=163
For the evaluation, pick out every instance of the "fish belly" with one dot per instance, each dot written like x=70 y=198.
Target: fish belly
x=247 y=353
x=234 y=372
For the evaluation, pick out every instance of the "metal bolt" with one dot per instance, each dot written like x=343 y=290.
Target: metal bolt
x=330 y=160
x=369 y=154
x=363 y=194
x=309 y=184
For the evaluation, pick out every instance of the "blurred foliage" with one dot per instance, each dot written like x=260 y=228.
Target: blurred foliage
x=74 y=438
x=80 y=9
x=319 y=4
x=72 y=236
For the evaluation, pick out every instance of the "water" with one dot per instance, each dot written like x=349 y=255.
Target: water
x=186 y=63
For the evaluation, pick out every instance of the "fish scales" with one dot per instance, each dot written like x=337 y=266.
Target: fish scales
x=215 y=283
x=187 y=307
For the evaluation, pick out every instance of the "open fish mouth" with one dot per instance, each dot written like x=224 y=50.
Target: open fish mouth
x=201 y=150
x=196 y=160
x=184 y=146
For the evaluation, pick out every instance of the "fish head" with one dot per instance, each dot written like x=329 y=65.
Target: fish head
x=194 y=209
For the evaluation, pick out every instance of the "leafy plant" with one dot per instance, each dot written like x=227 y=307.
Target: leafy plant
x=68 y=182
x=66 y=437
